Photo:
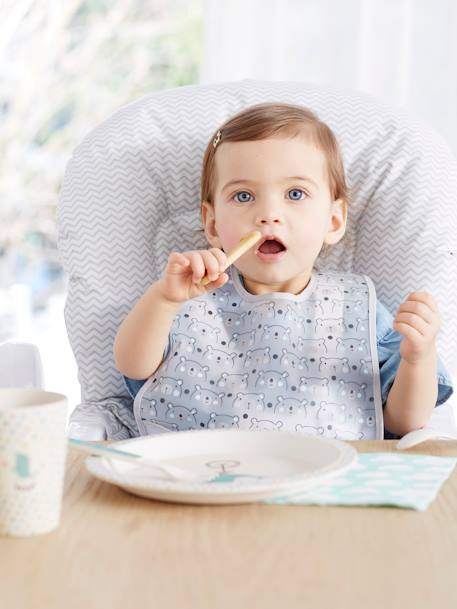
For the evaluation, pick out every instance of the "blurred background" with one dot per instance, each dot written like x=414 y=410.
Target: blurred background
x=66 y=66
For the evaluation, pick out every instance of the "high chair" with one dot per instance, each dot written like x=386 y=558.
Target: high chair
x=131 y=195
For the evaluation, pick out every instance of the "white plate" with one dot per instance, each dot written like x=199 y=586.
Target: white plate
x=236 y=466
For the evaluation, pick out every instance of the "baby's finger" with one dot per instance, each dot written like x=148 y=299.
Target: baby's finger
x=419 y=308
x=414 y=321
x=197 y=264
x=178 y=258
x=221 y=257
x=424 y=297
x=176 y=261
x=408 y=331
x=217 y=283
x=212 y=264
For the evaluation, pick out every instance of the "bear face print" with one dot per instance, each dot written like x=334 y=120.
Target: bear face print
x=370 y=417
x=314 y=386
x=357 y=307
x=230 y=319
x=167 y=385
x=242 y=341
x=329 y=326
x=232 y=382
x=203 y=330
x=276 y=335
x=258 y=425
x=290 y=406
x=192 y=369
x=313 y=307
x=155 y=426
x=249 y=401
x=263 y=311
x=217 y=357
x=346 y=306
x=257 y=357
x=148 y=408
x=290 y=315
x=222 y=421
x=326 y=287
x=183 y=417
x=205 y=398
x=354 y=415
x=361 y=324
x=309 y=429
x=221 y=296
x=329 y=411
x=351 y=345
x=311 y=346
x=182 y=343
x=270 y=379
x=197 y=307
x=348 y=434
x=365 y=366
x=292 y=361
x=351 y=391
x=334 y=365
x=359 y=292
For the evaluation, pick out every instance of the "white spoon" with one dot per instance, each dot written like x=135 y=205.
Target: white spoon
x=421 y=435
x=94 y=448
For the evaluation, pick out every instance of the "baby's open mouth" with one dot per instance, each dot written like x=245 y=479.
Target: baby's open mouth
x=271 y=246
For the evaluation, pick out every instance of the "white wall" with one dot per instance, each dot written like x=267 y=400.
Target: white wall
x=403 y=51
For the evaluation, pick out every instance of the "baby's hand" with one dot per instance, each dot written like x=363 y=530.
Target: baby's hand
x=184 y=271
x=418 y=320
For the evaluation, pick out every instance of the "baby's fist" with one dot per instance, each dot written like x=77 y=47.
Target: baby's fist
x=184 y=272
x=418 y=320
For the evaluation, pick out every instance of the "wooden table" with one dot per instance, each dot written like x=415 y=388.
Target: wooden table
x=114 y=550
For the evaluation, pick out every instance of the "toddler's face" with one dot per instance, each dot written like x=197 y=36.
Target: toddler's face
x=277 y=186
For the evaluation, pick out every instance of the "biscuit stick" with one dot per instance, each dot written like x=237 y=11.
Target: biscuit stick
x=242 y=246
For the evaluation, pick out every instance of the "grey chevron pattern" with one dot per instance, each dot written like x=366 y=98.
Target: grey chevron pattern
x=131 y=196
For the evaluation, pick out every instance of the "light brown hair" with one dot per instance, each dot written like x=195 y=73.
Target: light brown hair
x=268 y=120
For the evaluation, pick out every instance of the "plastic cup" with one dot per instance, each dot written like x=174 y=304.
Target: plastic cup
x=33 y=449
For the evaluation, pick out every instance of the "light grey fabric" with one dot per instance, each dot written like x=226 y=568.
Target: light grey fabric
x=299 y=362
x=131 y=196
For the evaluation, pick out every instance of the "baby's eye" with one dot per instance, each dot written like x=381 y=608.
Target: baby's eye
x=296 y=192
x=243 y=200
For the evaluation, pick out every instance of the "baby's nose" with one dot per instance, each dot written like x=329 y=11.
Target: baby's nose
x=268 y=219
x=268 y=212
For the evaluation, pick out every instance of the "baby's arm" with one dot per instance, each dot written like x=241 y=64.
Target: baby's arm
x=142 y=336
x=413 y=394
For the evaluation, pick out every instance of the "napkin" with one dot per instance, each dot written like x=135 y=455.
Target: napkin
x=383 y=479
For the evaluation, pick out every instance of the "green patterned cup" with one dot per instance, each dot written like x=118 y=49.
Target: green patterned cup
x=33 y=448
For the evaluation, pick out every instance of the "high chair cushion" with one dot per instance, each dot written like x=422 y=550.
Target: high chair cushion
x=131 y=195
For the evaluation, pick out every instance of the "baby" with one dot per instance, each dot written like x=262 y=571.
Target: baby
x=270 y=343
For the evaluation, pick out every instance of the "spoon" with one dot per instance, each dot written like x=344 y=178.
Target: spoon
x=173 y=472
x=421 y=435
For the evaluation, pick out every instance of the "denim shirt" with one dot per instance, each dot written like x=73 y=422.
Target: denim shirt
x=388 y=344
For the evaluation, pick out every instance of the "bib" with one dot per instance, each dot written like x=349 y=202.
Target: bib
x=305 y=362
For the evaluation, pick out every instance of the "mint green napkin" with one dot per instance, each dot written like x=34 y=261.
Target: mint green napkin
x=388 y=479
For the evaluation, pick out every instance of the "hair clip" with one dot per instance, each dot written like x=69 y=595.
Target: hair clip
x=217 y=139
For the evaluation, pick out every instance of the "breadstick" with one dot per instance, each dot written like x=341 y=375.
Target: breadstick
x=240 y=248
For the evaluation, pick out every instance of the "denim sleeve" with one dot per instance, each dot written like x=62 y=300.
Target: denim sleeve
x=388 y=343
x=134 y=385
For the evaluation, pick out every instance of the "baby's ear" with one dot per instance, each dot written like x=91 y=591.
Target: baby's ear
x=209 y=224
x=337 y=221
